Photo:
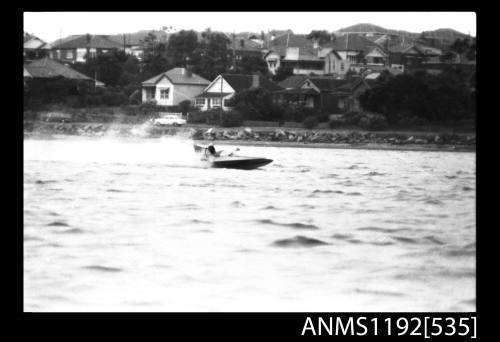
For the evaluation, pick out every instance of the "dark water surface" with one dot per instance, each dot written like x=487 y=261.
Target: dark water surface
x=141 y=224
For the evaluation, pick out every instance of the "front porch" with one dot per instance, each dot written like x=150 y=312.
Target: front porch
x=209 y=100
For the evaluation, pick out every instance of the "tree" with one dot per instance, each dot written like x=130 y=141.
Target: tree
x=282 y=73
x=254 y=104
x=443 y=97
x=107 y=67
x=211 y=57
x=251 y=64
x=321 y=36
x=181 y=46
x=154 y=58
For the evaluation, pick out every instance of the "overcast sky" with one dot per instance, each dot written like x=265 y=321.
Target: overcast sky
x=50 y=26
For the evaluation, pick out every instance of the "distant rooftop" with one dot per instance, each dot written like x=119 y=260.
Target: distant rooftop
x=178 y=76
x=81 y=41
x=48 y=68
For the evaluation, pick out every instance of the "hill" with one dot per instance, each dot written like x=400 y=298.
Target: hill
x=440 y=34
x=371 y=28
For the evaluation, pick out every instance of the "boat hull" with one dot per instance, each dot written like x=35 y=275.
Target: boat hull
x=231 y=162
x=240 y=163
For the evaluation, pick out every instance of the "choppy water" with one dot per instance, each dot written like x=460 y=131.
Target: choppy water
x=142 y=225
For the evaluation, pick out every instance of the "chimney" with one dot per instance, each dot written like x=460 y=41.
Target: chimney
x=315 y=44
x=255 y=81
x=188 y=72
x=242 y=43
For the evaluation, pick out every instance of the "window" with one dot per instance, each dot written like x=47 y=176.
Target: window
x=69 y=54
x=216 y=101
x=341 y=66
x=226 y=103
x=164 y=93
x=200 y=101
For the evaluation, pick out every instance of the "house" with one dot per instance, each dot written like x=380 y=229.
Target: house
x=47 y=68
x=43 y=73
x=293 y=50
x=35 y=48
x=131 y=43
x=75 y=48
x=305 y=56
x=324 y=93
x=334 y=64
x=172 y=87
x=225 y=86
x=359 y=51
x=349 y=93
x=310 y=91
x=411 y=55
x=243 y=46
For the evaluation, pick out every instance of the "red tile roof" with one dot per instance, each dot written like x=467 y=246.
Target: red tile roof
x=48 y=68
x=178 y=76
x=241 y=82
x=80 y=41
x=353 y=42
x=292 y=81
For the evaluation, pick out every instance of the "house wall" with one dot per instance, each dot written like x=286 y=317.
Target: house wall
x=66 y=55
x=163 y=84
x=333 y=65
x=376 y=57
x=71 y=55
x=80 y=54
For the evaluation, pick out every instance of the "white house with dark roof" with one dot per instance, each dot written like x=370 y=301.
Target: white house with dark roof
x=172 y=87
x=225 y=86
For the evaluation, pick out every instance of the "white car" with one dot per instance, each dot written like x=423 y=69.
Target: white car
x=168 y=120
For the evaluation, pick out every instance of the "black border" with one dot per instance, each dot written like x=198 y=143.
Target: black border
x=202 y=325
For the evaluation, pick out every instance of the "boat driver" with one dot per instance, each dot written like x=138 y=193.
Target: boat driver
x=211 y=150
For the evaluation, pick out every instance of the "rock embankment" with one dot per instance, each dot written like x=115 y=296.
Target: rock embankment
x=299 y=136
x=341 y=137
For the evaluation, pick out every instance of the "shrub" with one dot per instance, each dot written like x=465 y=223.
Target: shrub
x=206 y=117
x=373 y=122
x=352 y=118
x=147 y=108
x=411 y=121
x=135 y=97
x=323 y=117
x=184 y=106
x=335 y=123
x=72 y=101
x=298 y=113
x=231 y=118
x=114 y=98
x=310 y=122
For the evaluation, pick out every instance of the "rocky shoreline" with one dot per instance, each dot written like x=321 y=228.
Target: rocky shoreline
x=270 y=136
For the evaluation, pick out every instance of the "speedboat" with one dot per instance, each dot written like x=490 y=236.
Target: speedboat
x=231 y=161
